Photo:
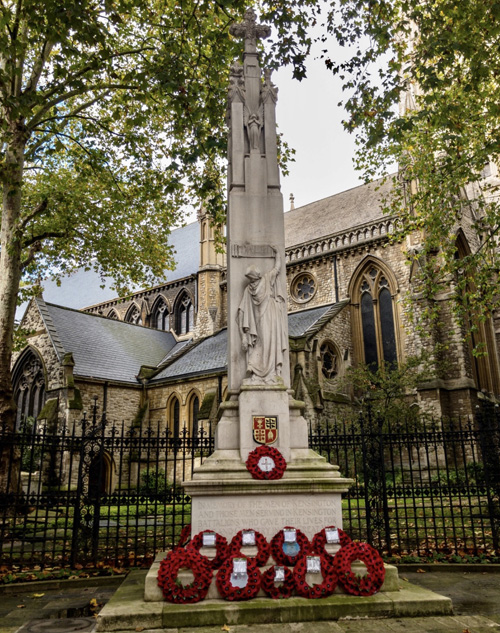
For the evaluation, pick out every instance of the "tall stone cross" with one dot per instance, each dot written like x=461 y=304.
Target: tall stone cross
x=250 y=31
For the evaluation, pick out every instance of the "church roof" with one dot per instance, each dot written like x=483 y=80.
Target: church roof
x=335 y=214
x=104 y=348
x=83 y=287
x=308 y=322
x=210 y=354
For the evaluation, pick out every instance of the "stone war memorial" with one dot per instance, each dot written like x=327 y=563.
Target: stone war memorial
x=265 y=542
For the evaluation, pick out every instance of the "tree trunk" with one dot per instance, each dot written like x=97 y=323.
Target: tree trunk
x=10 y=275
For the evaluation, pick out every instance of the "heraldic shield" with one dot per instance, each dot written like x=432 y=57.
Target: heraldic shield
x=265 y=429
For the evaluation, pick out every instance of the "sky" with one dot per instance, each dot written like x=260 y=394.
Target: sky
x=311 y=121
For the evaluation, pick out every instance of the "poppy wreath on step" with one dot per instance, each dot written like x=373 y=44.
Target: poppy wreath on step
x=263 y=547
x=277 y=591
x=184 y=536
x=323 y=589
x=277 y=547
x=319 y=541
x=221 y=548
x=172 y=589
x=353 y=583
x=228 y=591
x=260 y=452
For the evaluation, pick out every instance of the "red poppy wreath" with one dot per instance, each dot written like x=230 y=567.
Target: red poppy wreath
x=266 y=462
x=221 y=548
x=280 y=555
x=172 y=589
x=231 y=592
x=353 y=583
x=320 y=590
x=268 y=583
x=263 y=547
x=320 y=540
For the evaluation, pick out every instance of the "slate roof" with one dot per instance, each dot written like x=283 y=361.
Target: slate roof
x=308 y=322
x=210 y=355
x=82 y=288
x=335 y=214
x=104 y=348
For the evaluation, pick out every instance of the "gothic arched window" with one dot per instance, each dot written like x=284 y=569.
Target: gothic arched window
x=29 y=386
x=174 y=421
x=159 y=315
x=376 y=321
x=112 y=314
x=184 y=317
x=194 y=409
x=133 y=315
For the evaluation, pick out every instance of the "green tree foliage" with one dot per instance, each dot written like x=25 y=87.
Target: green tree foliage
x=423 y=94
x=385 y=397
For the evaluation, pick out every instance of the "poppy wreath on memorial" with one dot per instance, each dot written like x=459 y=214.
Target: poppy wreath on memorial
x=321 y=590
x=263 y=547
x=319 y=541
x=277 y=547
x=172 y=589
x=353 y=583
x=228 y=591
x=277 y=591
x=256 y=455
x=221 y=548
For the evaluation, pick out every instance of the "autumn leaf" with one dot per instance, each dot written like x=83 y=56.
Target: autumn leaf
x=38 y=595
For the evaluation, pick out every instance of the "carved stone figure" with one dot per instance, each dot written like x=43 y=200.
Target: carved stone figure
x=261 y=319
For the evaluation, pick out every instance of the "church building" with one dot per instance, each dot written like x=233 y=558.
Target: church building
x=159 y=356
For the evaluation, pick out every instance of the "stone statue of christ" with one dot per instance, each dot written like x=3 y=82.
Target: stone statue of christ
x=261 y=319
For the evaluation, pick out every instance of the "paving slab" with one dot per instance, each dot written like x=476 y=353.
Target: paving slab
x=62 y=625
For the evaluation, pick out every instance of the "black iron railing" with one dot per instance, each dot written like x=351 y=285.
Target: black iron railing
x=102 y=493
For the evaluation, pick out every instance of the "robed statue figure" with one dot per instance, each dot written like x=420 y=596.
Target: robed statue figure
x=261 y=320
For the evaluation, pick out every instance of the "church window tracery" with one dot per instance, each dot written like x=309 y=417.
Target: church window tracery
x=29 y=386
x=112 y=314
x=160 y=315
x=304 y=287
x=184 y=317
x=133 y=315
x=329 y=360
x=375 y=318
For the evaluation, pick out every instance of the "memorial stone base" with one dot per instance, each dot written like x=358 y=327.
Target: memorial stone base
x=128 y=611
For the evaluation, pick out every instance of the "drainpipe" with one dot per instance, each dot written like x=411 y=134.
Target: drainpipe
x=336 y=279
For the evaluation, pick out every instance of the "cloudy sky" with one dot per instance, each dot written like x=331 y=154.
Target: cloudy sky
x=311 y=121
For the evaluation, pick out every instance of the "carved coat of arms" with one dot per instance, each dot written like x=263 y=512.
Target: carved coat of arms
x=265 y=428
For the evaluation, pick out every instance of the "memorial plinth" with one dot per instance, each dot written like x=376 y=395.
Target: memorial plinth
x=261 y=409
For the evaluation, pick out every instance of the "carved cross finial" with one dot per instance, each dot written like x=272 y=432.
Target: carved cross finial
x=250 y=31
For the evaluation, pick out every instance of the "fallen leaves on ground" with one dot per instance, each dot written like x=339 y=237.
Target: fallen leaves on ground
x=37 y=595
x=421 y=571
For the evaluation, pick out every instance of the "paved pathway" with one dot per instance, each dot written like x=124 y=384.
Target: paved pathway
x=475 y=595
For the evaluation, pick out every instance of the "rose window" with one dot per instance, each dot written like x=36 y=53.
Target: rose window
x=304 y=287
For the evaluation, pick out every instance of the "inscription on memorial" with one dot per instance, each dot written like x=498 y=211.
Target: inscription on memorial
x=251 y=250
x=230 y=514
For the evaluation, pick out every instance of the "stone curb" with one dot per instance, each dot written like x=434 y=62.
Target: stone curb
x=492 y=568
x=38 y=585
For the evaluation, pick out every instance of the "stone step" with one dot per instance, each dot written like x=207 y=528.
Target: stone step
x=127 y=610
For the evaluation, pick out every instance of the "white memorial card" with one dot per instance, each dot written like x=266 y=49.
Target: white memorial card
x=248 y=537
x=290 y=535
x=209 y=539
x=266 y=464
x=332 y=535
x=240 y=566
x=279 y=574
x=313 y=565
